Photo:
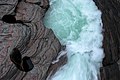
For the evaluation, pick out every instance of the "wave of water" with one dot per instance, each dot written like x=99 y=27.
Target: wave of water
x=77 y=24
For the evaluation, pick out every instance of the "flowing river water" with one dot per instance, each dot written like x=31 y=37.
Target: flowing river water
x=78 y=25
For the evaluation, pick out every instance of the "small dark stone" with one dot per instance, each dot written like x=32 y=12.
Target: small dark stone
x=16 y=56
x=24 y=64
x=19 y=1
x=9 y=19
x=63 y=47
x=38 y=3
x=27 y=64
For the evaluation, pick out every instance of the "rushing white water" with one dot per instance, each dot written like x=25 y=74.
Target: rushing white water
x=77 y=24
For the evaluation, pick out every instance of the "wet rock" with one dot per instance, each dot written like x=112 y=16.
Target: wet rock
x=9 y=19
x=32 y=39
x=23 y=64
x=110 y=72
x=111 y=43
x=27 y=64
x=7 y=7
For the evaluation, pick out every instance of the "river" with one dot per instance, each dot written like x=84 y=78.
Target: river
x=78 y=25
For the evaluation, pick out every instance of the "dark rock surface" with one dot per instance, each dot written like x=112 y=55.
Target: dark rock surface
x=110 y=72
x=111 y=43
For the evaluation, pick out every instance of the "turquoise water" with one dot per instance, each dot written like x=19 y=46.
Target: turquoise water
x=77 y=24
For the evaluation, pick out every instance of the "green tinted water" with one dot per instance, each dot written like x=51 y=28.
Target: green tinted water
x=77 y=24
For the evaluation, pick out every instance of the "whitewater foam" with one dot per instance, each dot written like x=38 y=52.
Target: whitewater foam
x=77 y=24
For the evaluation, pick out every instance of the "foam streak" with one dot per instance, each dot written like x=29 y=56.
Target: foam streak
x=78 y=25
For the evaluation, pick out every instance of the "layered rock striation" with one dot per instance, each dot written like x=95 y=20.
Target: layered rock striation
x=33 y=39
x=30 y=36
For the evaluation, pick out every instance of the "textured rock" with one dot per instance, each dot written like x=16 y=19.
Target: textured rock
x=110 y=72
x=111 y=43
x=32 y=38
x=39 y=43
